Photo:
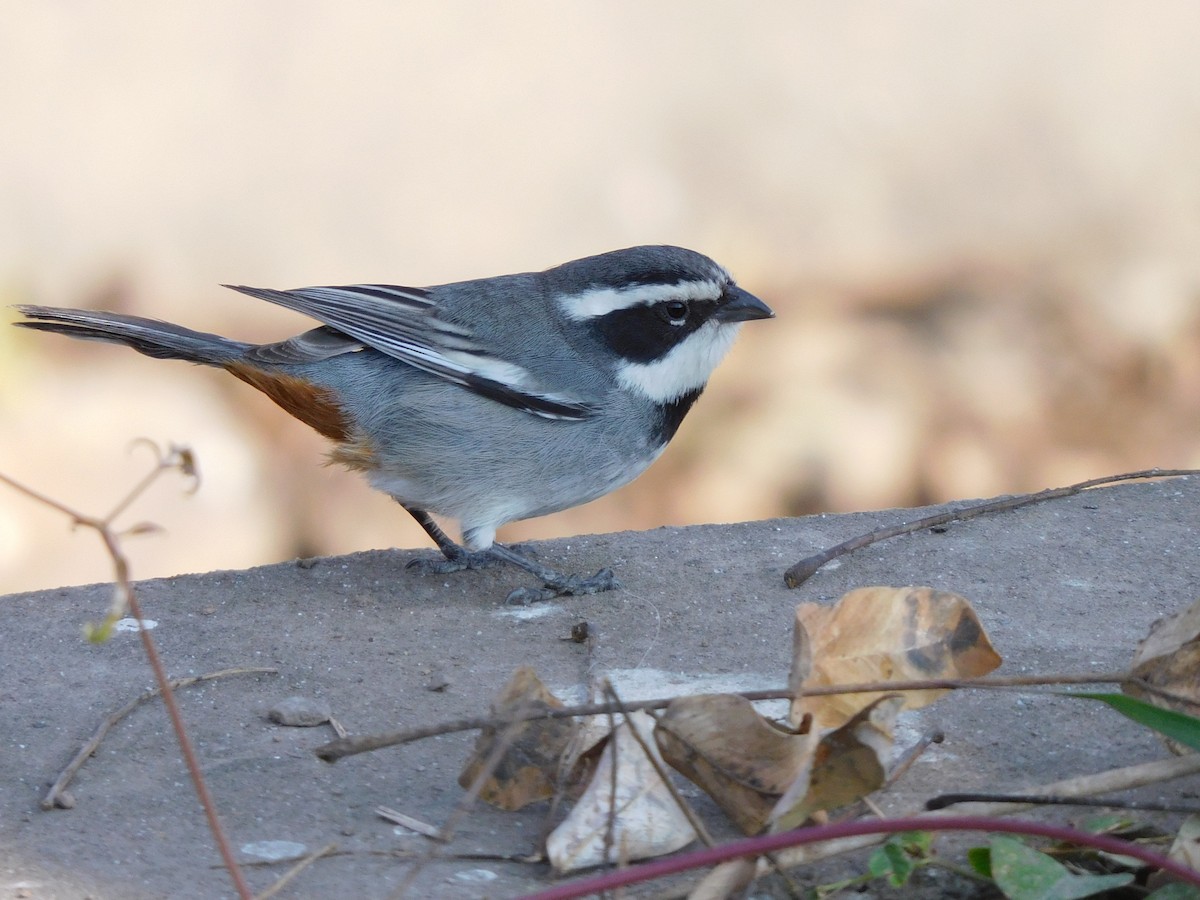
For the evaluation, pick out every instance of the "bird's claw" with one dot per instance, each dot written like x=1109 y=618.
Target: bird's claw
x=464 y=561
x=564 y=586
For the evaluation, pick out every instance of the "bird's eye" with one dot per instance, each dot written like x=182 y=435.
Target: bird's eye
x=676 y=312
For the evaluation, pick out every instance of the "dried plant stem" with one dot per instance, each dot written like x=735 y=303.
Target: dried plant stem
x=181 y=459
x=807 y=567
x=335 y=750
x=504 y=741
x=92 y=743
x=610 y=821
x=295 y=870
x=406 y=821
x=684 y=807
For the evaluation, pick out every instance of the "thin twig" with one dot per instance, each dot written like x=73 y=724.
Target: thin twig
x=176 y=457
x=50 y=801
x=911 y=755
x=405 y=821
x=807 y=567
x=335 y=750
x=179 y=458
x=181 y=736
x=941 y=801
x=504 y=741
x=41 y=498
x=295 y=870
x=610 y=821
x=686 y=808
x=680 y=801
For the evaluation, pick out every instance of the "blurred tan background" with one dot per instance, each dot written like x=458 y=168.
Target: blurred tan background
x=979 y=224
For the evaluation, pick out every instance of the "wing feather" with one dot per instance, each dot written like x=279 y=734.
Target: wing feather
x=402 y=322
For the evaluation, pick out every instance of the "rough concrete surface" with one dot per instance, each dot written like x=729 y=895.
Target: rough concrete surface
x=1066 y=586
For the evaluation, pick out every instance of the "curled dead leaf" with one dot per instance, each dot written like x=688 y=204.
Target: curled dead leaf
x=740 y=759
x=888 y=634
x=851 y=762
x=1169 y=659
x=624 y=814
x=527 y=767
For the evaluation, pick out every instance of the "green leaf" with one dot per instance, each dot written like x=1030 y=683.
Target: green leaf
x=892 y=862
x=1176 y=725
x=1106 y=823
x=1025 y=874
x=980 y=859
x=1176 y=890
x=899 y=857
x=99 y=632
x=916 y=843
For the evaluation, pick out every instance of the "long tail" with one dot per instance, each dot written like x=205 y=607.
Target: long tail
x=162 y=340
x=311 y=403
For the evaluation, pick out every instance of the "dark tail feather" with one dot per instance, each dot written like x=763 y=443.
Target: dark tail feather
x=162 y=340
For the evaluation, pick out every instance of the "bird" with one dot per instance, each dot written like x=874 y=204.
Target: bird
x=484 y=401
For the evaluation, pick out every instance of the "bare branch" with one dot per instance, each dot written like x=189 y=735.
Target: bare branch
x=807 y=567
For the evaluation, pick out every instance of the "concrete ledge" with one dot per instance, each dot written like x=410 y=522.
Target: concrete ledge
x=1067 y=586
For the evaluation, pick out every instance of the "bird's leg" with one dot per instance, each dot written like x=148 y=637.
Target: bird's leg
x=456 y=558
x=556 y=583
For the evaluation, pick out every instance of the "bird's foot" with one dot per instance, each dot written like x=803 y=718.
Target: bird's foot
x=459 y=559
x=462 y=561
x=555 y=583
x=559 y=585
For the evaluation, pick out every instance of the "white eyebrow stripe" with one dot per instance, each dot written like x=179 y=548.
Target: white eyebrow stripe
x=601 y=301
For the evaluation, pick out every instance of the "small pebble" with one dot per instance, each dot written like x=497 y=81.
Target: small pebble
x=301 y=712
x=476 y=876
x=274 y=851
x=438 y=679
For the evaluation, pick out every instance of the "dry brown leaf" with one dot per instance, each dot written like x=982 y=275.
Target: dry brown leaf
x=644 y=818
x=582 y=755
x=528 y=769
x=850 y=763
x=889 y=634
x=740 y=759
x=802 y=657
x=1168 y=634
x=1169 y=658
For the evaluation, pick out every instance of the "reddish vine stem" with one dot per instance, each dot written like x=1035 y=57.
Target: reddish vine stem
x=757 y=846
